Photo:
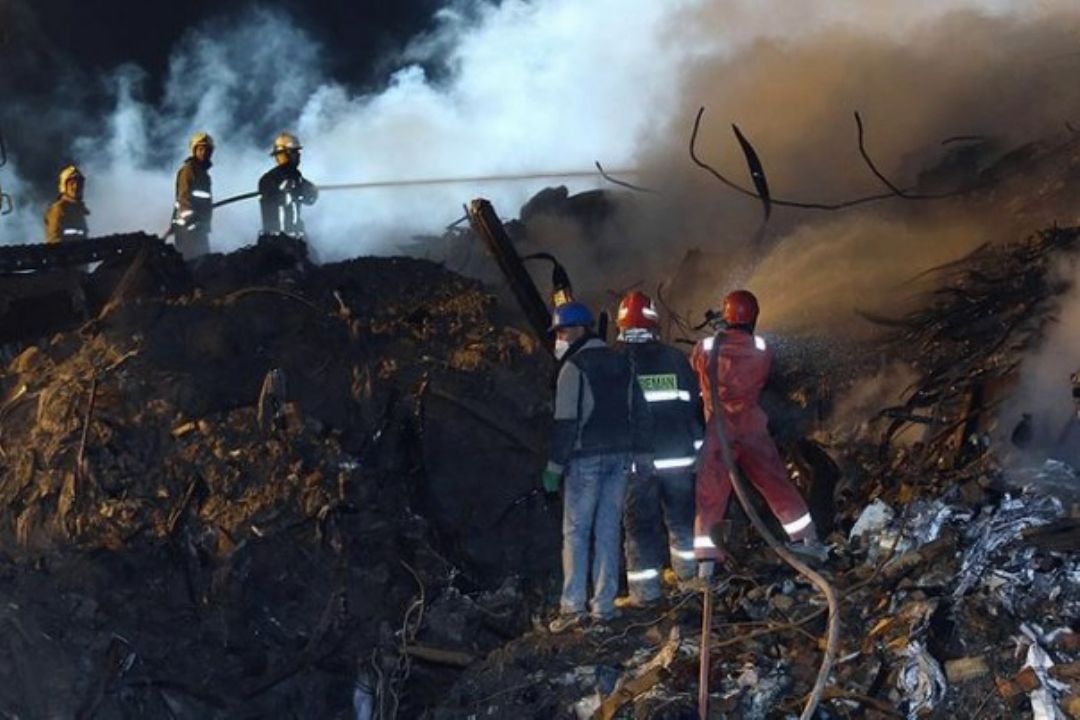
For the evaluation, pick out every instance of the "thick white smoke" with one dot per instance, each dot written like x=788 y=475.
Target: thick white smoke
x=531 y=87
x=1043 y=389
x=540 y=85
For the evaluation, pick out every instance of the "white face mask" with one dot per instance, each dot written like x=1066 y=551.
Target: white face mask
x=561 y=346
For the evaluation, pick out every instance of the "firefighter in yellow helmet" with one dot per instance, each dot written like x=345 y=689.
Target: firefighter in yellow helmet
x=66 y=217
x=194 y=206
x=283 y=190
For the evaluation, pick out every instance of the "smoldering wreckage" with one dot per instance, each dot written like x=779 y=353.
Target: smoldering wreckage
x=256 y=486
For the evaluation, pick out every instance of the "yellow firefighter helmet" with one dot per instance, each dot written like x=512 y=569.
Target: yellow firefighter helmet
x=70 y=172
x=201 y=138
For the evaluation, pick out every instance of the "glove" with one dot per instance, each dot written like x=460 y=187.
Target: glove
x=550 y=481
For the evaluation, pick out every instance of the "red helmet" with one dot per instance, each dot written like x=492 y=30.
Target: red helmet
x=741 y=308
x=636 y=311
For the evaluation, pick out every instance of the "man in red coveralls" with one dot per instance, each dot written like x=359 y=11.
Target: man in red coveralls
x=739 y=361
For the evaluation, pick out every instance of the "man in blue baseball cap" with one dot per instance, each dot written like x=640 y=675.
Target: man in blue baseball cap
x=602 y=425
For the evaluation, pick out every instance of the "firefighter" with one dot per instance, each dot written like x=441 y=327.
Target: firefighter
x=194 y=207
x=739 y=361
x=66 y=217
x=283 y=190
x=664 y=496
x=601 y=427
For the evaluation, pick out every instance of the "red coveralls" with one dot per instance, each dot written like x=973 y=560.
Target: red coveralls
x=742 y=368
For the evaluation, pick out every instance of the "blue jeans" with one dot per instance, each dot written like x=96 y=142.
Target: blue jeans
x=593 y=507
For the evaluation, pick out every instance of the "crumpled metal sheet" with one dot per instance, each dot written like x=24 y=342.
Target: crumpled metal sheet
x=1043 y=704
x=1050 y=473
x=874 y=518
x=1026 y=589
x=921 y=680
x=922 y=522
x=760 y=688
x=995 y=530
x=928 y=518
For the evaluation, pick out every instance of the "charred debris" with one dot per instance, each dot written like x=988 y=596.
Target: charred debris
x=255 y=486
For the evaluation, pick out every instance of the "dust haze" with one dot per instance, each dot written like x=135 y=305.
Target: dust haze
x=1008 y=79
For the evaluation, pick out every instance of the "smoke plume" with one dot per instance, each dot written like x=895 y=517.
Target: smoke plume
x=522 y=86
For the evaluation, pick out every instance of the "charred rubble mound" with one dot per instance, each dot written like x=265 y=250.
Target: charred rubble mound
x=264 y=488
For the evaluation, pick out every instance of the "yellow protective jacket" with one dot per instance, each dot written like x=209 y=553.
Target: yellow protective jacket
x=194 y=207
x=66 y=220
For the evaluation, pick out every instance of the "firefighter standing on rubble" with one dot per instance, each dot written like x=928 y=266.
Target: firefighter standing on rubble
x=194 y=207
x=602 y=425
x=283 y=190
x=66 y=217
x=738 y=361
x=665 y=495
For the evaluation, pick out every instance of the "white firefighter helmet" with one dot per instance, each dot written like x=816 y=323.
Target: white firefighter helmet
x=200 y=138
x=70 y=172
x=284 y=142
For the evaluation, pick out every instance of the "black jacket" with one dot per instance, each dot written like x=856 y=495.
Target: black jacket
x=671 y=390
x=599 y=409
x=281 y=192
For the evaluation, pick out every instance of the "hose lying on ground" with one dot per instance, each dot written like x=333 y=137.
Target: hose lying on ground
x=832 y=633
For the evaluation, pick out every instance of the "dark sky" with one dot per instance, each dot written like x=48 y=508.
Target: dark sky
x=96 y=36
x=54 y=52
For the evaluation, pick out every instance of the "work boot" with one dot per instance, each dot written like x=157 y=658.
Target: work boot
x=810 y=549
x=632 y=602
x=674 y=583
x=565 y=621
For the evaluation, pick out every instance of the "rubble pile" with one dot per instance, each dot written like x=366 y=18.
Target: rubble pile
x=959 y=576
x=257 y=487
x=283 y=491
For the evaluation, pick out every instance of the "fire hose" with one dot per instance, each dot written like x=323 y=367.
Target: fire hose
x=832 y=634
x=418 y=182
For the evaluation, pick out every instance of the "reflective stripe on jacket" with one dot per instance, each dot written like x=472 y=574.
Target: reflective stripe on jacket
x=194 y=208
x=282 y=190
